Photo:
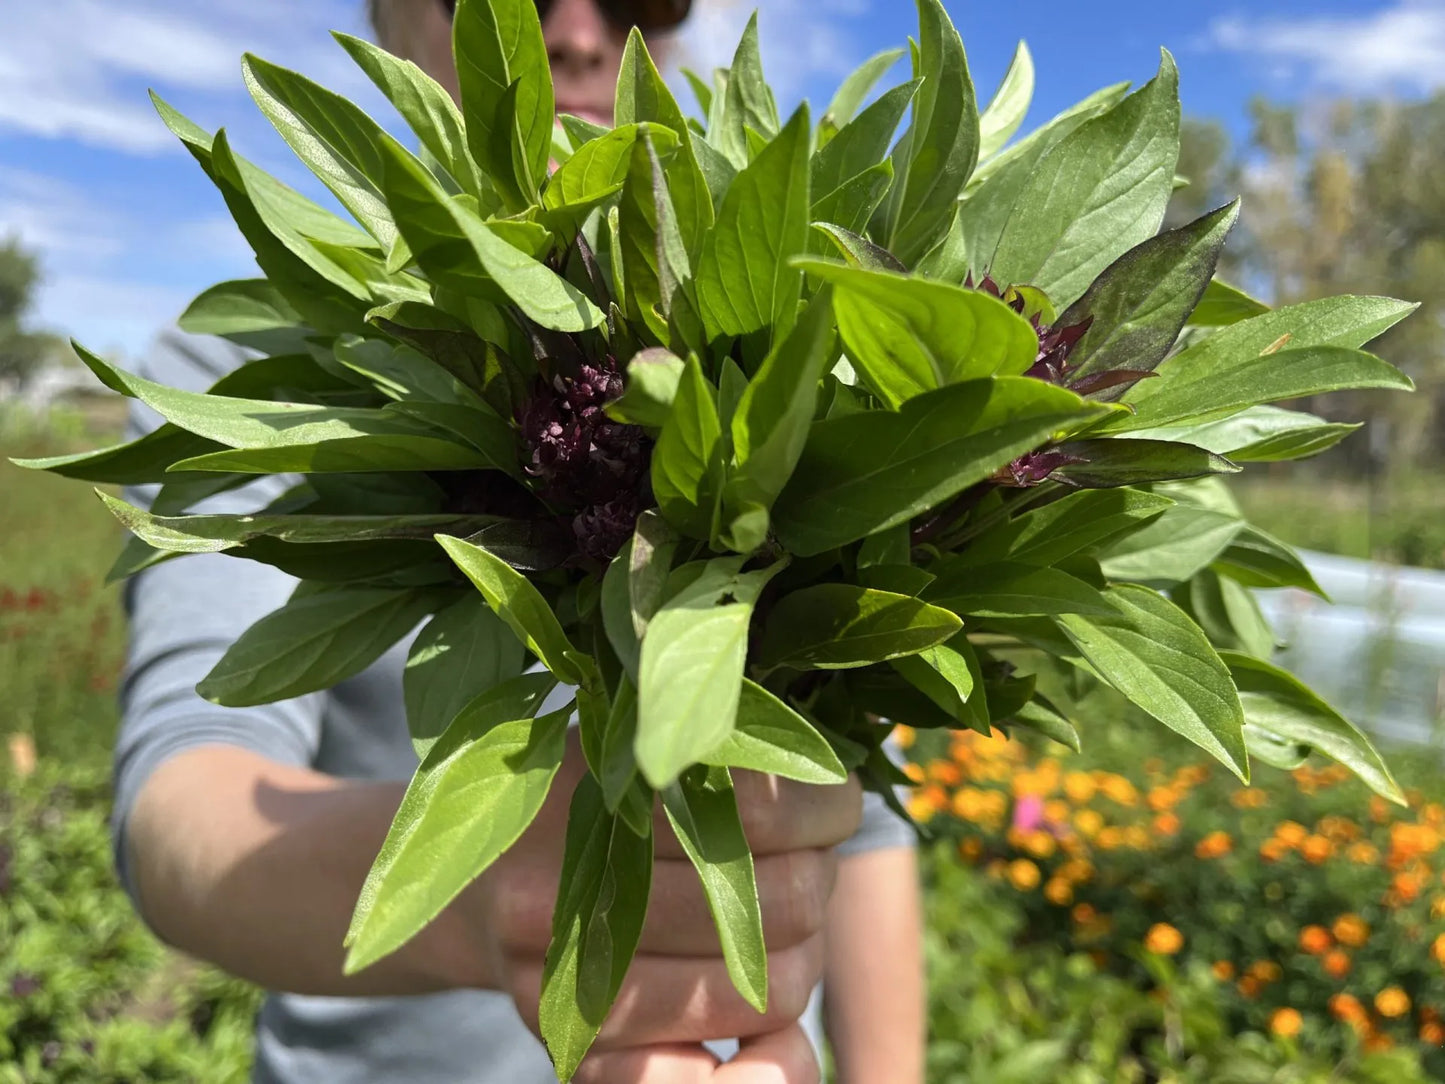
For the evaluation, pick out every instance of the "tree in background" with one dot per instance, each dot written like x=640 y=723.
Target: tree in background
x=1343 y=197
x=22 y=351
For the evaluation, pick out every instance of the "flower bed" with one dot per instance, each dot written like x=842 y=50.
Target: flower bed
x=1317 y=912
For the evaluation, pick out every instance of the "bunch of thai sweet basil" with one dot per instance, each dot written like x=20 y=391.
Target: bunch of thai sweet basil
x=753 y=432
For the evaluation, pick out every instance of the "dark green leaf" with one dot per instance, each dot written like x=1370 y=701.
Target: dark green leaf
x=836 y=626
x=1261 y=434
x=1278 y=703
x=463 y=652
x=861 y=473
x=654 y=259
x=950 y=676
x=596 y=926
x=135 y=462
x=747 y=101
x=907 y=335
x=1156 y=656
x=1009 y=589
x=1109 y=463
x=238 y=308
x=1257 y=559
x=686 y=467
x=852 y=203
x=1173 y=547
x=312 y=644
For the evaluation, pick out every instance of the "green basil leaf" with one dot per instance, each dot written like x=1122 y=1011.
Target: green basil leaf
x=473 y=796
x=654 y=260
x=854 y=202
x=935 y=156
x=1262 y=434
x=241 y=307
x=836 y=626
x=136 y=462
x=857 y=250
x=686 y=465
x=691 y=670
x=334 y=138
x=747 y=101
x=652 y=379
x=1227 y=612
x=312 y=644
x=861 y=473
x=1258 y=559
x=1139 y=304
x=463 y=652
x=994 y=189
x=772 y=421
x=600 y=166
x=517 y=602
x=1277 y=702
x=745 y=281
x=1101 y=191
x=950 y=676
x=1156 y=656
x=1223 y=304
x=1173 y=547
x=1010 y=104
x=425 y=105
x=1109 y=463
x=596 y=926
x=1039 y=715
x=499 y=46
x=862 y=143
x=1076 y=524
x=703 y=811
x=908 y=335
x=854 y=89
x=1008 y=589
x=771 y=737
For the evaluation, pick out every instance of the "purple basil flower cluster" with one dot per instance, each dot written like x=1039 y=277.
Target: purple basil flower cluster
x=588 y=466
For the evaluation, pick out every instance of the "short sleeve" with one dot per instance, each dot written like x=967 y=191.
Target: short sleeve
x=184 y=613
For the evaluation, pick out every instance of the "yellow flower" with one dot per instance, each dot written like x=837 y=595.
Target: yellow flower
x=1266 y=971
x=1249 y=798
x=913 y=771
x=1166 y=824
x=926 y=801
x=1059 y=892
x=1315 y=940
x=945 y=772
x=1080 y=787
x=1118 y=789
x=1347 y=1007
x=1272 y=850
x=1437 y=949
x=1023 y=874
x=1392 y=1002
x=970 y=849
x=1351 y=930
x=1110 y=839
x=1163 y=939
x=1286 y=1022
x=1089 y=822
x=1214 y=845
x=1057 y=811
x=1161 y=799
x=1039 y=843
x=1366 y=854
x=1136 y=836
x=904 y=736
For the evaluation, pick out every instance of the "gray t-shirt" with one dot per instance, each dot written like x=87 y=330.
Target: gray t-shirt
x=184 y=614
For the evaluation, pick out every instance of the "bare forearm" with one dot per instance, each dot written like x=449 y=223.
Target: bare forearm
x=257 y=866
x=874 y=991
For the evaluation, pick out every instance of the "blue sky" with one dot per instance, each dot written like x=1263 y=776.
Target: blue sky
x=128 y=229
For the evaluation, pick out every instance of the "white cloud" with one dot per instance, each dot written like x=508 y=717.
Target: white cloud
x=803 y=41
x=1398 y=47
x=76 y=68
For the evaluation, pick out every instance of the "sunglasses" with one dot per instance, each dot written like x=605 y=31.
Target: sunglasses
x=646 y=15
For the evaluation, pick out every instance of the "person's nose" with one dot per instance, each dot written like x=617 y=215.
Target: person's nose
x=576 y=35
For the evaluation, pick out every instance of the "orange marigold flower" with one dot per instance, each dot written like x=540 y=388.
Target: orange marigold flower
x=1437 y=949
x=1336 y=963
x=945 y=772
x=1215 y=845
x=1223 y=970
x=1057 y=811
x=1089 y=822
x=1136 y=836
x=1315 y=940
x=1163 y=939
x=1166 y=824
x=1291 y=833
x=1249 y=987
x=1023 y=874
x=970 y=849
x=1379 y=809
x=913 y=771
x=1272 y=850
x=903 y=736
x=1266 y=971
x=1338 y=829
x=1084 y=913
x=1080 y=787
x=1120 y=790
x=1110 y=839
x=926 y=801
x=1351 y=930
x=1059 y=892
x=1377 y=1041
x=1161 y=799
x=1316 y=849
x=1347 y=1007
x=1249 y=798
x=1392 y=1001
x=1407 y=886
x=1366 y=854
x=1039 y=843
x=1286 y=1022
x=1432 y=1033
